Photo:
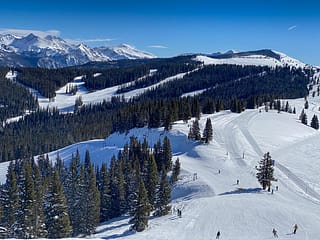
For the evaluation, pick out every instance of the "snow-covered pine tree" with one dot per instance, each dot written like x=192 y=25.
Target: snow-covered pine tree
x=315 y=122
x=208 y=132
x=56 y=210
x=142 y=210
x=265 y=171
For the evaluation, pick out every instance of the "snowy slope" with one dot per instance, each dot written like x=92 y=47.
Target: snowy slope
x=253 y=59
x=214 y=202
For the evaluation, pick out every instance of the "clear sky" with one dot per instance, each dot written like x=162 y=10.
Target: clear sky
x=172 y=27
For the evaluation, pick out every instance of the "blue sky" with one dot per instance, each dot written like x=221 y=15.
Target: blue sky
x=168 y=28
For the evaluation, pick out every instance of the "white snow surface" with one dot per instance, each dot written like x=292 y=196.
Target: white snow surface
x=214 y=202
x=255 y=60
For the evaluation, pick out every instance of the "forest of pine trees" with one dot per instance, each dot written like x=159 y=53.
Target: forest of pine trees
x=41 y=199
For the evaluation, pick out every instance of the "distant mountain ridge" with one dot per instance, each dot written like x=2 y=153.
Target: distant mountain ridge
x=54 y=52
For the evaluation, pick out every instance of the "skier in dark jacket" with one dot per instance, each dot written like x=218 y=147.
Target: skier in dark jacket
x=274 y=231
x=295 y=227
x=218 y=235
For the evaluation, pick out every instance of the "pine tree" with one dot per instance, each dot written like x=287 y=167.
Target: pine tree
x=306 y=104
x=56 y=210
x=208 y=132
x=265 y=171
x=175 y=171
x=40 y=226
x=142 y=211
x=315 y=122
x=163 y=195
x=105 y=197
x=10 y=201
x=304 y=119
x=167 y=154
x=89 y=198
x=72 y=190
x=301 y=114
x=152 y=180
x=196 y=130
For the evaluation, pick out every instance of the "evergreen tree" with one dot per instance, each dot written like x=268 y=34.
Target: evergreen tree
x=89 y=198
x=315 y=122
x=72 y=190
x=196 y=130
x=57 y=218
x=167 y=154
x=105 y=195
x=163 y=195
x=304 y=119
x=10 y=201
x=152 y=180
x=265 y=171
x=40 y=226
x=208 y=132
x=301 y=114
x=175 y=171
x=142 y=211
x=306 y=104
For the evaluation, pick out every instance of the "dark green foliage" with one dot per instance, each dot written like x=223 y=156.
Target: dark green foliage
x=105 y=194
x=14 y=98
x=163 y=196
x=315 y=122
x=56 y=210
x=175 y=171
x=10 y=201
x=304 y=119
x=194 y=131
x=306 y=104
x=142 y=210
x=265 y=171
x=152 y=180
x=208 y=131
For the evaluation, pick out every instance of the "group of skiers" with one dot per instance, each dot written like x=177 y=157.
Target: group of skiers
x=274 y=231
x=275 y=234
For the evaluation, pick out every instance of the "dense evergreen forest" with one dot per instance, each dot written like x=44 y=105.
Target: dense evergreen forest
x=228 y=87
x=14 y=99
x=44 y=200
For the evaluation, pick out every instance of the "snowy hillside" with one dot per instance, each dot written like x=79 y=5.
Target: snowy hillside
x=214 y=201
x=54 y=52
x=257 y=58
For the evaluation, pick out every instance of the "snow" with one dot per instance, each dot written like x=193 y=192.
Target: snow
x=255 y=60
x=214 y=201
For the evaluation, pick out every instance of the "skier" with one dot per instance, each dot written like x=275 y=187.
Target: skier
x=274 y=231
x=295 y=227
x=237 y=181
x=219 y=171
x=277 y=188
x=218 y=235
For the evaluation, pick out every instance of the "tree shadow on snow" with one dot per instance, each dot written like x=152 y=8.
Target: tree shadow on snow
x=124 y=234
x=242 y=190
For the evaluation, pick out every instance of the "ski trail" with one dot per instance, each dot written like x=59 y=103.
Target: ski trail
x=244 y=119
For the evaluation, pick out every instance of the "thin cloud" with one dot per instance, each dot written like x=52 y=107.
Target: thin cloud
x=93 y=40
x=24 y=32
x=292 y=28
x=158 y=46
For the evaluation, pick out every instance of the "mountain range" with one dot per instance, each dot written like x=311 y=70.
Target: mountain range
x=54 y=52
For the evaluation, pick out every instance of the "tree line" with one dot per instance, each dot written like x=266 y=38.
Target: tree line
x=47 y=199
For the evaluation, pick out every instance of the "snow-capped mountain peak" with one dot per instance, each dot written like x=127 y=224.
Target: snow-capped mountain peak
x=51 y=51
